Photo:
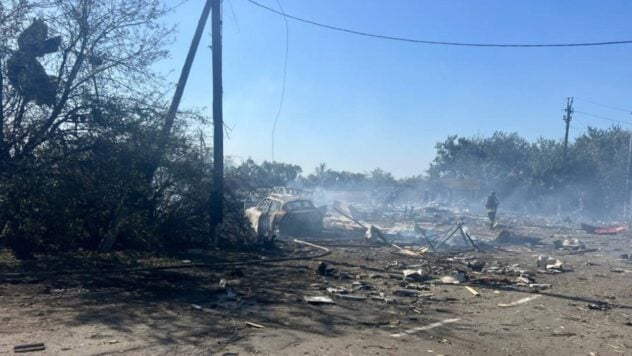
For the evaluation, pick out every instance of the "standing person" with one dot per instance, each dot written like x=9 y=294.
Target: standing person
x=492 y=206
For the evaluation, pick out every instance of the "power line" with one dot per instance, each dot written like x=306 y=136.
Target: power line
x=287 y=50
x=234 y=16
x=606 y=106
x=603 y=117
x=176 y=6
x=429 y=42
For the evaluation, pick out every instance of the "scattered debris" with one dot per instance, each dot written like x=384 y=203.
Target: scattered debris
x=465 y=234
x=383 y=298
x=25 y=72
x=473 y=291
x=318 y=300
x=525 y=279
x=604 y=230
x=406 y=292
x=539 y=286
x=424 y=328
x=569 y=245
x=510 y=270
x=492 y=281
x=337 y=290
x=550 y=264
x=408 y=252
x=344 y=275
x=373 y=231
x=362 y=285
x=248 y=323
x=353 y=297
x=415 y=275
x=520 y=301
x=602 y=306
x=476 y=265
x=455 y=278
x=324 y=270
x=508 y=237
x=38 y=346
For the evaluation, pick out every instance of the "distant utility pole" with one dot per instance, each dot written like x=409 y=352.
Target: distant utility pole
x=217 y=192
x=567 y=119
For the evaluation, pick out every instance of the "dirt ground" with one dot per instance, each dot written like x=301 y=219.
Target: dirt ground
x=587 y=310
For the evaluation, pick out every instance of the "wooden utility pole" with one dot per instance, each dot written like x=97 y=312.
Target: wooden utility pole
x=1 y=117
x=627 y=206
x=567 y=119
x=217 y=192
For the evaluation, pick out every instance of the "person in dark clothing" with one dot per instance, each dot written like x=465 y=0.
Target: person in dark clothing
x=492 y=206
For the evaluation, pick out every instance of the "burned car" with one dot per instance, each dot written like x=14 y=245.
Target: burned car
x=285 y=215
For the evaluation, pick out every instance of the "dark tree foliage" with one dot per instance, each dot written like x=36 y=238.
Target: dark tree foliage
x=82 y=165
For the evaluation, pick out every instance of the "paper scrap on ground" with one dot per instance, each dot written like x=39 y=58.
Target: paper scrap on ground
x=424 y=328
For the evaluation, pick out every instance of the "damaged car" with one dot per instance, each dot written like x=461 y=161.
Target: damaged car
x=285 y=215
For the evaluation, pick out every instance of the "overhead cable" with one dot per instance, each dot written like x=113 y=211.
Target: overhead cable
x=287 y=50
x=616 y=108
x=603 y=117
x=442 y=43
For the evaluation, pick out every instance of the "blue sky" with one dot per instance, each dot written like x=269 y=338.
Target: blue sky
x=359 y=103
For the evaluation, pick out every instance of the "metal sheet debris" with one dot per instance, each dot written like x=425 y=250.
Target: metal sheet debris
x=318 y=300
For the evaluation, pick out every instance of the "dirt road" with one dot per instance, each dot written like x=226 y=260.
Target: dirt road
x=587 y=310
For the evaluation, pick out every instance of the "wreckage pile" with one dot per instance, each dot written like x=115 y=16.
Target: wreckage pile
x=430 y=254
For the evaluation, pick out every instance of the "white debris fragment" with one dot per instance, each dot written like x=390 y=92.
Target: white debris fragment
x=520 y=301
x=426 y=327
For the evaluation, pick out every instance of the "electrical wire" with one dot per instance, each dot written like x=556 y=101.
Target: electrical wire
x=602 y=117
x=443 y=43
x=234 y=16
x=176 y=6
x=605 y=106
x=287 y=50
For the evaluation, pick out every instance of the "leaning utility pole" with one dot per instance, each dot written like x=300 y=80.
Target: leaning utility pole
x=182 y=82
x=567 y=119
x=217 y=192
x=163 y=140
